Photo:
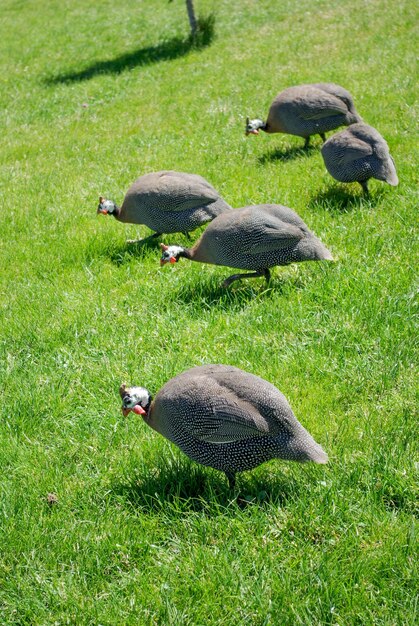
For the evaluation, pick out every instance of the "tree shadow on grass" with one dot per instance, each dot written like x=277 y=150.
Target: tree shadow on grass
x=338 y=199
x=165 y=51
x=183 y=486
x=289 y=153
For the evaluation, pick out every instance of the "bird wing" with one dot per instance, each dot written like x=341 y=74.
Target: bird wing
x=322 y=105
x=356 y=149
x=222 y=404
x=210 y=410
x=184 y=192
x=270 y=233
x=227 y=421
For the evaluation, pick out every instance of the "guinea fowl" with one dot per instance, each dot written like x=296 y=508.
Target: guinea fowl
x=252 y=238
x=306 y=110
x=357 y=154
x=225 y=418
x=167 y=202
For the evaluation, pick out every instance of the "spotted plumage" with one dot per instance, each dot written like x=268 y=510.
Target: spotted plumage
x=357 y=154
x=225 y=418
x=253 y=238
x=167 y=202
x=306 y=110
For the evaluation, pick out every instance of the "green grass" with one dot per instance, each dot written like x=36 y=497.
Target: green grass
x=93 y=95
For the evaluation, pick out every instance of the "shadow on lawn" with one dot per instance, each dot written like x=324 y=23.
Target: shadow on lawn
x=148 y=247
x=120 y=254
x=167 y=50
x=338 y=200
x=289 y=153
x=210 y=293
x=184 y=487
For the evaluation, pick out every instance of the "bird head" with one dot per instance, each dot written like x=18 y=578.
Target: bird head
x=136 y=399
x=170 y=254
x=252 y=126
x=106 y=207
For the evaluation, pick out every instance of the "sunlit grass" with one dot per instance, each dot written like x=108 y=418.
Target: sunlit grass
x=94 y=95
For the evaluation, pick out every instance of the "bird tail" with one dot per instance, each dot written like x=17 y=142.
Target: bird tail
x=217 y=207
x=321 y=252
x=356 y=118
x=303 y=448
x=318 y=455
x=391 y=174
x=326 y=255
x=313 y=452
x=312 y=249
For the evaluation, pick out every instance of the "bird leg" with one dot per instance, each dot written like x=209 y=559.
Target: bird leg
x=266 y=273
x=231 y=479
x=364 y=185
x=323 y=136
x=145 y=240
x=307 y=142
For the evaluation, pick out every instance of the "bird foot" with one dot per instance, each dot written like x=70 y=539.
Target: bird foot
x=227 y=282
x=231 y=482
x=365 y=189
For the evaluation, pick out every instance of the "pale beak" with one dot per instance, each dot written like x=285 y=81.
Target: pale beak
x=137 y=409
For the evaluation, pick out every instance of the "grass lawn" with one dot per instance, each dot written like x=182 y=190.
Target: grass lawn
x=93 y=95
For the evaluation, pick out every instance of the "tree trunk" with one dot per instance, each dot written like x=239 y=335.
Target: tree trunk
x=192 y=17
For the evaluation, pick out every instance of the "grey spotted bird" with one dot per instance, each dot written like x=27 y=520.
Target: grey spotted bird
x=357 y=154
x=252 y=238
x=167 y=202
x=225 y=418
x=306 y=110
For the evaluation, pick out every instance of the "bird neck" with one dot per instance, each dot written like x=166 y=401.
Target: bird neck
x=187 y=253
x=147 y=408
x=259 y=125
x=150 y=419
